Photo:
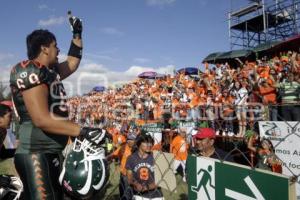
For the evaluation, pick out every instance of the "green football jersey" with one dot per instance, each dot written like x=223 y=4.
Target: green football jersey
x=26 y=75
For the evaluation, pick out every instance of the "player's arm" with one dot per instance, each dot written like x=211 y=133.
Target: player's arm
x=69 y=66
x=36 y=102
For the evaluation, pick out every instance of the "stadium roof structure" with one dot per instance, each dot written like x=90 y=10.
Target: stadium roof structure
x=211 y=58
x=256 y=24
x=234 y=54
x=269 y=47
x=228 y=55
x=292 y=43
x=246 y=10
x=265 y=46
x=261 y=21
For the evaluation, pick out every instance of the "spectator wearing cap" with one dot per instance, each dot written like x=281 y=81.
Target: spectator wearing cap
x=205 y=145
x=179 y=148
x=123 y=152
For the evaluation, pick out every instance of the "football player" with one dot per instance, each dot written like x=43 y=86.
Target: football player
x=39 y=97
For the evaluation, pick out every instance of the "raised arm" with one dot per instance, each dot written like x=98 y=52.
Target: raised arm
x=69 y=66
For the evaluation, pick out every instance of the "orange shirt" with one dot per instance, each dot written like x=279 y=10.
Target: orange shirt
x=227 y=105
x=175 y=102
x=157 y=111
x=122 y=153
x=157 y=147
x=264 y=71
x=201 y=90
x=169 y=82
x=179 y=148
x=118 y=139
x=195 y=101
x=269 y=94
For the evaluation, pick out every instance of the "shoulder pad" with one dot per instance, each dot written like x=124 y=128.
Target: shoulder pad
x=28 y=74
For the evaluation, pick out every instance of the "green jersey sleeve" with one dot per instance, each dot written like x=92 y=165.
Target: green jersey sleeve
x=28 y=74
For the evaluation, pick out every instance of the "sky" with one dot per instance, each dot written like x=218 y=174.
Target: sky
x=122 y=38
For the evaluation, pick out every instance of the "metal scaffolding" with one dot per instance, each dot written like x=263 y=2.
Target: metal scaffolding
x=261 y=21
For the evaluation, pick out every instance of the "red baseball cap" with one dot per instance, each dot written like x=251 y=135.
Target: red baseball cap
x=205 y=133
x=7 y=103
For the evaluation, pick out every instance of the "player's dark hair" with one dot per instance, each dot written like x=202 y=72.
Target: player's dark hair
x=4 y=109
x=36 y=39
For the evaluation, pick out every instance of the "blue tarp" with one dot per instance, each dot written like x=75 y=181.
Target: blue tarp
x=99 y=88
x=148 y=75
x=189 y=71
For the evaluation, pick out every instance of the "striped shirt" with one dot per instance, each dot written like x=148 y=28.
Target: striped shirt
x=290 y=92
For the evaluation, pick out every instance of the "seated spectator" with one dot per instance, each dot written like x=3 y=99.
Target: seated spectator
x=140 y=170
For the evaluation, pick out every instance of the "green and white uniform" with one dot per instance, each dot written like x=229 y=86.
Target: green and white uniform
x=38 y=158
x=26 y=75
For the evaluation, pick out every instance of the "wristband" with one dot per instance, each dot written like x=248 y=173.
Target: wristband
x=77 y=35
x=75 y=51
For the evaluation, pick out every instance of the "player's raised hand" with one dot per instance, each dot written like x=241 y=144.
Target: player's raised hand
x=76 y=25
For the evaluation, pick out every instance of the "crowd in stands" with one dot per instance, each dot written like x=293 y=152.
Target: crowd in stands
x=228 y=98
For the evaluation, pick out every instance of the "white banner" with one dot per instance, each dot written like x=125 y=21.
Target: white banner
x=285 y=137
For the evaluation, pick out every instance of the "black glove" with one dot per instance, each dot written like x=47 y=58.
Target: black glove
x=4 y=181
x=76 y=25
x=94 y=135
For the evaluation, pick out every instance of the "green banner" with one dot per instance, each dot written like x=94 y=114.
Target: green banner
x=210 y=179
x=152 y=127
